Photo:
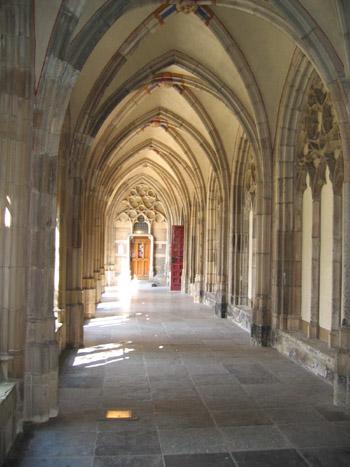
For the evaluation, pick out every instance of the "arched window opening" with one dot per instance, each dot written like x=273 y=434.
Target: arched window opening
x=141 y=226
x=250 y=256
x=7 y=213
x=57 y=269
x=306 y=274
x=326 y=258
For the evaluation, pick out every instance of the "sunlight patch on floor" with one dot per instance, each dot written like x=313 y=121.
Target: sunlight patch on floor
x=102 y=355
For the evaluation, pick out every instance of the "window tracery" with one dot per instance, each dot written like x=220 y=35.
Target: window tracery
x=142 y=200
x=319 y=143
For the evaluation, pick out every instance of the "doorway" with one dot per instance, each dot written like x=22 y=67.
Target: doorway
x=140 y=248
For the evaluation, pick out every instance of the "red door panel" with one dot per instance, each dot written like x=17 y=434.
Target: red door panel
x=177 y=247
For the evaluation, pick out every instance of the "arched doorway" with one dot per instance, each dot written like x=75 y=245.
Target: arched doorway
x=141 y=248
x=140 y=257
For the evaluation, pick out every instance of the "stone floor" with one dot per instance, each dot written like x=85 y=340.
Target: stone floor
x=202 y=395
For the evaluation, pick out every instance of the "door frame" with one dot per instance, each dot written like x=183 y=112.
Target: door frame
x=151 y=238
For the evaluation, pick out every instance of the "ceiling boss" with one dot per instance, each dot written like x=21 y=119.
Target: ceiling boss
x=187 y=6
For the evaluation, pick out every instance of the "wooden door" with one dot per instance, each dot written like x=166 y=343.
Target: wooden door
x=140 y=257
x=177 y=247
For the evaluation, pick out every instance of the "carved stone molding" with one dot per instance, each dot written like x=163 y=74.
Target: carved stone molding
x=250 y=179
x=319 y=144
x=141 y=200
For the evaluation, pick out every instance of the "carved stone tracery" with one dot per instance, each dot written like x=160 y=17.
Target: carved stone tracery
x=141 y=200
x=319 y=143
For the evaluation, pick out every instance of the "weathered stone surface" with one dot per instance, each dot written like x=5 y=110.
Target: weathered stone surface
x=8 y=418
x=309 y=353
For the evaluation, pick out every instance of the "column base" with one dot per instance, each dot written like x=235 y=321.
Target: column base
x=344 y=338
x=221 y=309
x=184 y=285
x=98 y=290
x=103 y=279
x=313 y=331
x=197 y=290
x=240 y=315
x=75 y=332
x=341 y=388
x=220 y=297
x=260 y=335
x=111 y=278
x=89 y=302
x=41 y=382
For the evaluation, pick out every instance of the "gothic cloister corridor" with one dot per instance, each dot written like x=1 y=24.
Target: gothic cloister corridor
x=203 y=396
x=204 y=146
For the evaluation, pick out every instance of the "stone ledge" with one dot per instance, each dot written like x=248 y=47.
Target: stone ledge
x=240 y=315
x=209 y=299
x=311 y=354
x=8 y=401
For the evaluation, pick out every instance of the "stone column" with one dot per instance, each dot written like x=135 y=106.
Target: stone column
x=41 y=372
x=261 y=326
x=210 y=260
x=152 y=257
x=337 y=268
x=97 y=247
x=221 y=296
x=286 y=276
x=190 y=234
x=222 y=252
x=17 y=42
x=342 y=372
x=346 y=266
x=74 y=304
x=110 y=254
x=313 y=329
x=200 y=256
x=235 y=277
x=89 y=289
x=50 y=104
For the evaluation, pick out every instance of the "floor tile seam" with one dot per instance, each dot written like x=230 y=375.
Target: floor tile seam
x=306 y=423
x=252 y=399
x=326 y=446
x=216 y=426
x=253 y=449
x=274 y=449
x=298 y=448
x=233 y=458
x=153 y=413
x=165 y=330
x=26 y=455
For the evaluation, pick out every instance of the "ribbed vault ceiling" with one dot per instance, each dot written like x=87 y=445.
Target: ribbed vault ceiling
x=167 y=92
